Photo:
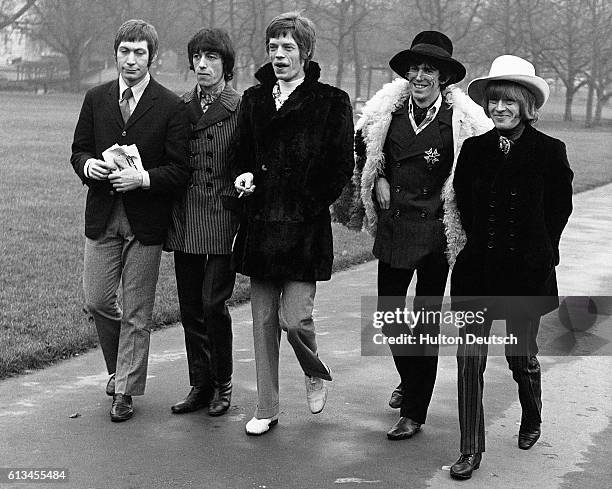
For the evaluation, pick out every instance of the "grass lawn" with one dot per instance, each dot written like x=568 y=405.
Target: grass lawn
x=41 y=218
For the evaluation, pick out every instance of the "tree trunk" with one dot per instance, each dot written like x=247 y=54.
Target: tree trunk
x=357 y=64
x=589 y=104
x=569 y=100
x=74 y=67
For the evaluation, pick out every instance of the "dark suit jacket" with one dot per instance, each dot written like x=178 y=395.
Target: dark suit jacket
x=158 y=127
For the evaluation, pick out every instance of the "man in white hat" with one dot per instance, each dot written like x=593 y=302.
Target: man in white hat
x=408 y=139
x=513 y=189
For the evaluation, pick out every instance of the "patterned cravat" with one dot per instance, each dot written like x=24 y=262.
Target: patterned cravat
x=124 y=104
x=205 y=100
x=505 y=144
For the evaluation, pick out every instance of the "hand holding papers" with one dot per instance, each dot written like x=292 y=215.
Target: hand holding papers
x=128 y=167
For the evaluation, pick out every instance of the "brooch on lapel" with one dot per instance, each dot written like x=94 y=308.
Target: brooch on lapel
x=431 y=157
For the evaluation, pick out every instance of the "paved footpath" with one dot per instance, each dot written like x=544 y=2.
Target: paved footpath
x=343 y=447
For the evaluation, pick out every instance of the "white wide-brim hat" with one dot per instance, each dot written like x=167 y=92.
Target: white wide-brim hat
x=513 y=69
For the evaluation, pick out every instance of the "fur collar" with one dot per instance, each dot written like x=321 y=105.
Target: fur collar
x=468 y=119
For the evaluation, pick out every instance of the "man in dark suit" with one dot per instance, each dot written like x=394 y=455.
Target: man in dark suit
x=128 y=204
x=203 y=230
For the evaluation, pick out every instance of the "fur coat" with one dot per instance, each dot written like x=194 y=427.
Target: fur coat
x=468 y=120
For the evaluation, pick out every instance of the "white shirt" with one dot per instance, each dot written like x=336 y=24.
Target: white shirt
x=431 y=114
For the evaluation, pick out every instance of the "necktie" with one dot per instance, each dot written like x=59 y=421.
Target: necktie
x=124 y=104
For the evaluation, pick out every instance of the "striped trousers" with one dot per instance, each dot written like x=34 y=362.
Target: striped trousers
x=471 y=363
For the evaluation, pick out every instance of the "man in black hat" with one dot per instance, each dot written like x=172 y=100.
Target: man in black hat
x=408 y=139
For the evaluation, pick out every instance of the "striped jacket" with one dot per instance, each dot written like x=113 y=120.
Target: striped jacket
x=200 y=224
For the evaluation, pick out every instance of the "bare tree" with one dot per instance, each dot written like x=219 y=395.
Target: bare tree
x=11 y=11
x=69 y=27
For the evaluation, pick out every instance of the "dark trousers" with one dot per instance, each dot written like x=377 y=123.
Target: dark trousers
x=417 y=366
x=522 y=361
x=205 y=283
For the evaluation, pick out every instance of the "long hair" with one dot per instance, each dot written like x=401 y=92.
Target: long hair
x=503 y=89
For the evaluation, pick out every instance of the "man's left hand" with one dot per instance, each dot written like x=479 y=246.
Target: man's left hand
x=126 y=179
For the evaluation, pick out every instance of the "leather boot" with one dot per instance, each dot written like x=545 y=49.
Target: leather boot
x=197 y=398
x=221 y=399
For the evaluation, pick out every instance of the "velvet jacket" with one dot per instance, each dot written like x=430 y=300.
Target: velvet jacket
x=158 y=127
x=513 y=210
x=301 y=157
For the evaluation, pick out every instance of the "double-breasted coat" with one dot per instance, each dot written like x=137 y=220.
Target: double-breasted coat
x=301 y=157
x=513 y=210
x=200 y=223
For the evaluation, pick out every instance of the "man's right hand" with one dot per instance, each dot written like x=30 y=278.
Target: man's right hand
x=244 y=184
x=383 y=193
x=99 y=169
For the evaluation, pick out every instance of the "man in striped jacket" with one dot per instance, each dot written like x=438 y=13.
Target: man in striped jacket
x=202 y=230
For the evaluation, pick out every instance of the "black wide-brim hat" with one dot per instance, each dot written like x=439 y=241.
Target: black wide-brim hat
x=429 y=45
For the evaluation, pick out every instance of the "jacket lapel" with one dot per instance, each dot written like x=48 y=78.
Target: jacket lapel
x=147 y=100
x=220 y=109
x=194 y=109
x=113 y=103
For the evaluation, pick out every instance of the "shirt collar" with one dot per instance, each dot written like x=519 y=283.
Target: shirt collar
x=433 y=109
x=137 y=90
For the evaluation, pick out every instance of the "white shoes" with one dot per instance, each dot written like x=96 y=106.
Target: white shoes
x=258 y=426
x=316 y=394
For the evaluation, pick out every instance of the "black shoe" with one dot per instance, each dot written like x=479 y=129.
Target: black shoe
x=404 y=428
x=462 y=469
x=110 y=386
x=528 y=436
x=397 y=396
x=122 y=408
x=198 y=398
x=221 y=400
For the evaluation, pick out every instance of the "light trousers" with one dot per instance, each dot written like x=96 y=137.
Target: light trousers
x=118 y=257
x=276 y=306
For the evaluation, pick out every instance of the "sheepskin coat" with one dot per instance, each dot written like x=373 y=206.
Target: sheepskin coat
x=301 y=157
x=468 y=119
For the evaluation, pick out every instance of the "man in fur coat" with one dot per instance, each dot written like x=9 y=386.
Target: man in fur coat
x=295 y=153
x=408 y=139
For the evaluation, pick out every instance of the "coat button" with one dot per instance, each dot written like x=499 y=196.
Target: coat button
x=209 y=184
x=124 y=133
x=512 y=235
x=492 y=204
x=423 y=214
x=511 y=221
x=490 y=245
x=513 y=192
x=398 y=189
x=491 y=232
x=219 y=124
x=425 y=191
x=512 y=248
x=209 y=136
x=512 y=207
x=396 y=213
x=491 y=218
x=209 y=154
x=264 y=168
x=397 y=165
x=209 y=169
x=111 y=192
